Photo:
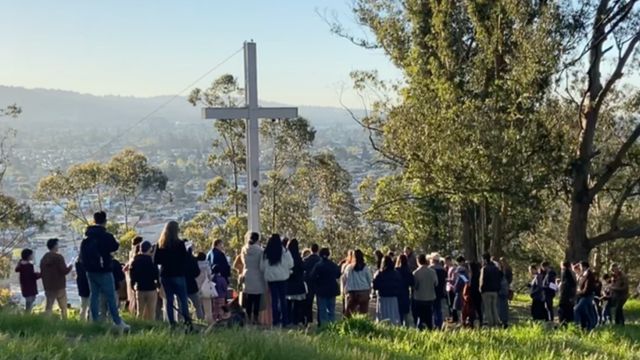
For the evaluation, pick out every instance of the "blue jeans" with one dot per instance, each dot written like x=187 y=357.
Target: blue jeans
x=437 y=313
x=103 y=284
x=326 y=310
x=279 y=311
x=584 y=313
x=175 y=286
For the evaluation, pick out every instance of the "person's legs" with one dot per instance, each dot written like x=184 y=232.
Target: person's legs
x=50 y=298
x=197 y=304
x=362 y=302
x=331 y=309
x=142 y=304
x=548 y=304
x=170 y=292
x=61 y=299
x=95 y=287
x=28 y=304
x=283 y=302
x=207 y=307
x=84 y=308
x=437 y=313
x=181 y=293
x=109 y=292
x=619 y=311
x=275 y=308
x=495 y=316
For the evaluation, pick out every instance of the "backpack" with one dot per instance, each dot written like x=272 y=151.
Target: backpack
x=91 y=257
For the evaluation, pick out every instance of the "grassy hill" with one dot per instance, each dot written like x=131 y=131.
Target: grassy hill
x=39 y=337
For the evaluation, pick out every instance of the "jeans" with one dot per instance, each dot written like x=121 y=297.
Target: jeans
x=423 y=314
x=279 y=302
x=103 y=284
x=28 y=304
x=175 y=286
x=490 y=305
x=584 y=311
x=437 y=313
x=326 y=310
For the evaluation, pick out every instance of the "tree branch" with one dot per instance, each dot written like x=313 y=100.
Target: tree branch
x=613 y=166
x=614 y=234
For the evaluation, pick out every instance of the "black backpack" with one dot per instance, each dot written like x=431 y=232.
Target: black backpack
x=91 y=257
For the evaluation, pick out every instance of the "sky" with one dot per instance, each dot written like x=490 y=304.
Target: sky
x=158 y=47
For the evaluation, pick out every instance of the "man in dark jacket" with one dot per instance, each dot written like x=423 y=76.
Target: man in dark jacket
x=217 y=257
x=490 y=278
x=567 y=294
x=584 y=310
x=549 y=286
x=308 y=264
x=95 y=254
x=325 y=277
x=441 y=294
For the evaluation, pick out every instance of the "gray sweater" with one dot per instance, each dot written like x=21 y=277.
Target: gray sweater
x=357 y=280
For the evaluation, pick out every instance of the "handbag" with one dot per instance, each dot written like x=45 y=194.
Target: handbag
x=208 y=290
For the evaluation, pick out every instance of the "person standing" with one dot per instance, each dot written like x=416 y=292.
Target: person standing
x=358 y=285
x=252 y=277
x=583 y=311
x=54 y=270
x=193 y=290
x=387 y=283
x=216 y=256
x=424 y=293
x=550 y=288
x=404 y=297
x=438 y=319
x=309 y=263
x=203 y=281
x=82 y=283
x=172 y=257
x=276 y=264
x=131 y=294
x=411 y=259
x=296 y=287
x=490 y=278
x=95 y=255
x=505 y=290
x=28 y=279
x=567 y=294
x=220 y=300
x=537 y=293
x=324 y=277
x=619 y=293
x=144 y=280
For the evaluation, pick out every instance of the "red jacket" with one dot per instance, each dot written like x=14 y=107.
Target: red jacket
x=28 y=278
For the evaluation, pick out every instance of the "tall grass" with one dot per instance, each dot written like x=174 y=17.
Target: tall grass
x=39 y=337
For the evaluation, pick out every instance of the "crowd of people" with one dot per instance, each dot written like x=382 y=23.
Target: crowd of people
x=278 y=284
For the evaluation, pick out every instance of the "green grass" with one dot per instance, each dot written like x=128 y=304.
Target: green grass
x=39 y=337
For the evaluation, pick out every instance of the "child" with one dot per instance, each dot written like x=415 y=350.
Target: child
x=144 y=280
x=28 y=277
x=221 y=288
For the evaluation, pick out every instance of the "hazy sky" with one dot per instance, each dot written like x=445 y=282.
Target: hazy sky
x=157 y=47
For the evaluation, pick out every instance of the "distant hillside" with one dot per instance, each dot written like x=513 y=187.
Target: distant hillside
x=44 y=108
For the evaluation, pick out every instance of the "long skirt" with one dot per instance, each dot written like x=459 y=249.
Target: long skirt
x=387 y=310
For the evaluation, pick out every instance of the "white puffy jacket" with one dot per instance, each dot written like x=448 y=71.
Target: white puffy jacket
x=279 y=271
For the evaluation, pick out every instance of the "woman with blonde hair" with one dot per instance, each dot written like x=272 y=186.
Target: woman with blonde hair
x=171 y=255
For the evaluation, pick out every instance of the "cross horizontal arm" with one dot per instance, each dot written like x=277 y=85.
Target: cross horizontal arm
x=243 y=113
x=275 y=113
x=225 y=113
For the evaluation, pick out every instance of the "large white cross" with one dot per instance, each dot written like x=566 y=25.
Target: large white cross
x=252 y=112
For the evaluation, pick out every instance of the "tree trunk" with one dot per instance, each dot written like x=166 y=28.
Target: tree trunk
x=497 y=236
x=578 y=247
x=468 y=233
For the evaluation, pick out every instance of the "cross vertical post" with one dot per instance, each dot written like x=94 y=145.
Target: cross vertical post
x=252 y=112
x=253 y=142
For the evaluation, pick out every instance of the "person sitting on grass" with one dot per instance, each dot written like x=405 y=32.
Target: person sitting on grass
x=28 y=279
x=54 y=270
x=145 y=282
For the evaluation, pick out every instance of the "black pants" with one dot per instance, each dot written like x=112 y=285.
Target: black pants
x=539 y=310
x=423 y=314
x=619 y=312
x=548 y=304
x=476 y=299
x=308 y=308
x=296 y=310
x=252 y=306
x=565 y=312
x=452 y=311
